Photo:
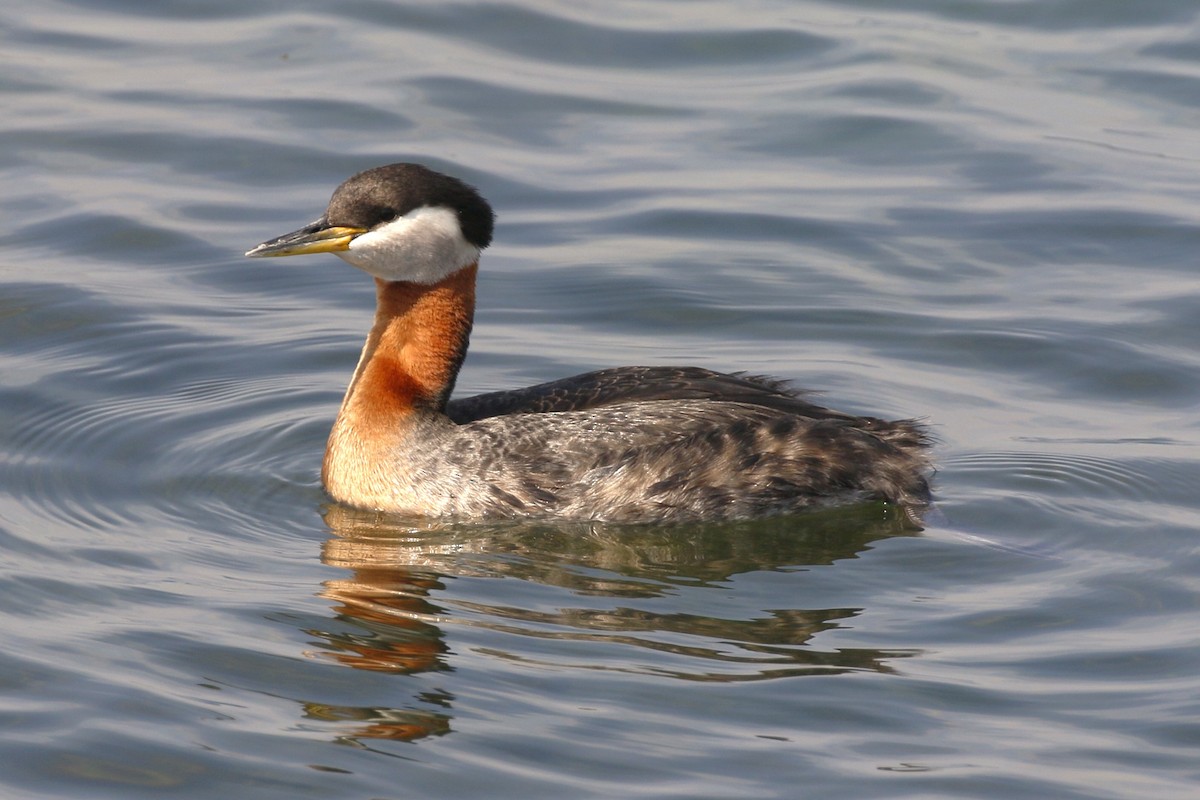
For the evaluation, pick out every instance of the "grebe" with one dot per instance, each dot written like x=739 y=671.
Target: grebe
x=627 y=444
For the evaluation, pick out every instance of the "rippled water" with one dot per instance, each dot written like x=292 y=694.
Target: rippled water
x=984 y=213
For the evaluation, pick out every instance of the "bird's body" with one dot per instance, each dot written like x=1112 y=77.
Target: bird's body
x=623 y=444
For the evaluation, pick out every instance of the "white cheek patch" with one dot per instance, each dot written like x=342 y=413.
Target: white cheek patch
x=423 y=246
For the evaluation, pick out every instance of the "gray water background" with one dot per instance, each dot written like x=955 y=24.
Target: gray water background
x=980 y=213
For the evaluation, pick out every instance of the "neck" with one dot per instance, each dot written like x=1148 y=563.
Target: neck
x=415 y=348
x=403 y=380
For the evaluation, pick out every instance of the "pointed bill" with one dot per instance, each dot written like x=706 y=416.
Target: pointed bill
x=318 y=237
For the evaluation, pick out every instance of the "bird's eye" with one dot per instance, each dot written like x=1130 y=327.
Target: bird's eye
x=378 y=215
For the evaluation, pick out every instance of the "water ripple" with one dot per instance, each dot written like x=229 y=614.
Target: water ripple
x=1159 y=480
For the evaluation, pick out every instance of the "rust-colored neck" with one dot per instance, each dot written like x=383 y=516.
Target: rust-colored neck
x=414 y=350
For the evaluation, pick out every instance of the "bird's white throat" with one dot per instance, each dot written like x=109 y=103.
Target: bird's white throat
x=423 y=246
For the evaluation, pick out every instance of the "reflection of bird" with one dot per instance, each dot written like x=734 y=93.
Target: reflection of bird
x=629 y=444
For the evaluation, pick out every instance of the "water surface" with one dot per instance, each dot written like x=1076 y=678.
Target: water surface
x=983 y=214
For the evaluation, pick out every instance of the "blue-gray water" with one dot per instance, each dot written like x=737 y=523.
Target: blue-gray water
x=982 y=213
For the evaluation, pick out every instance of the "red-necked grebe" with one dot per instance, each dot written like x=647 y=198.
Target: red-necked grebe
x=623 y=444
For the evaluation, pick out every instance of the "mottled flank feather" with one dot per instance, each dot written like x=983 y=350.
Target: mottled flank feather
x=669 y=460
